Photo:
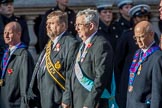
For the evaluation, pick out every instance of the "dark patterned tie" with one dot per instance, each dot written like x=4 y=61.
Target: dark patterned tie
x=82 y=48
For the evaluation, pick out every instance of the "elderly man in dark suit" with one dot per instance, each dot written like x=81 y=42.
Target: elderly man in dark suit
x=92 y=71
x=145 y=73
x=126 y=47
x=17 y=68
x=48 y=80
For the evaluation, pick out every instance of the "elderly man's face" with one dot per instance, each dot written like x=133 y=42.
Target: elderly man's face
x=11 y=36
x=82 y=28
x=54 y=27
x=160 y=10
x=144 y=38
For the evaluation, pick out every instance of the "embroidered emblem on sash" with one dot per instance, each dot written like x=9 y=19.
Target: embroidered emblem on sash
x=58 y=65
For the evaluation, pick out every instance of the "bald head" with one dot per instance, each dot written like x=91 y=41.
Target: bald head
x=143 y=27
x=14 y=25
x=12 y=33
x=144 y=34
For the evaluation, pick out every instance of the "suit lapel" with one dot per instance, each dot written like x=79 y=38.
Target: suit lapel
x=58 y=46
x=88 y=49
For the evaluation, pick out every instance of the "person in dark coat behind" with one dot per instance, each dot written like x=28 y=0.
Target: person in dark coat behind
x=92 y=72
x=7 y=14
x=62 y=6
x=125 y=50
x=17 y=67
x=124 y=22
x=48 y=80
x=106 y=23
x=145 y=73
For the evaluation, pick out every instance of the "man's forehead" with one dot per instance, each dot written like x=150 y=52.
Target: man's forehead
x=140 y=28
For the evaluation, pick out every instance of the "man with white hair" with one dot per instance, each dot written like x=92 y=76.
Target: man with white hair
x=91 y=74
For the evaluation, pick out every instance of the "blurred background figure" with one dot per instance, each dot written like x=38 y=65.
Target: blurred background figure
x=124 y=22
x=106 y=23
x=125 y=50
x=63 y=6
x=7 y=14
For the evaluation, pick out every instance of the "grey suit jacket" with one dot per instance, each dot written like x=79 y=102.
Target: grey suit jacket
x=147 y=85
x=44 y=91
x=14 y=92
x=97 y=66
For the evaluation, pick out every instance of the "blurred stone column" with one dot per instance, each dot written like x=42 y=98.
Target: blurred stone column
x=154 y=21
x=33 y=38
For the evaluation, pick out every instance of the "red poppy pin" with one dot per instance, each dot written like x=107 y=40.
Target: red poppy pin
x=89 y=45
x=9 y=71
x=57 y=47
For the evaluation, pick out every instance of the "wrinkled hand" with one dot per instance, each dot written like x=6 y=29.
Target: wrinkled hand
x=65 y=106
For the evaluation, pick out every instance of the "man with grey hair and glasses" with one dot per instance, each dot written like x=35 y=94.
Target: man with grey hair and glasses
x=89 y=82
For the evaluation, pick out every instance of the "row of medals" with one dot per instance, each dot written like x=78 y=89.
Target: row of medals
x=130 y=88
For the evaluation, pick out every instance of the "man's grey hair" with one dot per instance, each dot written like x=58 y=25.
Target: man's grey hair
x=91 y=16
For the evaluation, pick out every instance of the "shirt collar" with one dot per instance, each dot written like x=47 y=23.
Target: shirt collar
x=90 y=38
x=57 y=38
x=13 y=48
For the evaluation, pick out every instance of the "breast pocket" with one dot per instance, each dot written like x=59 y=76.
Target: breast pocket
x=86 y=67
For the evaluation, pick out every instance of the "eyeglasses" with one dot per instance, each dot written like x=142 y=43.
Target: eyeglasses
x=138 y=37
x=79 y=24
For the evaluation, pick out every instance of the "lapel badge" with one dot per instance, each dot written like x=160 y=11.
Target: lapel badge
x=139 y=70
x=130 y=88
x=9 y=71
x=58 y=65
x=89 y=45
x=131 y=75
x=1 y=82
x=57 y=48
x=82 y=59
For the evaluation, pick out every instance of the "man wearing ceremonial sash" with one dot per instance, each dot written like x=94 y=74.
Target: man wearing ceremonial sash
x=90 y=80
x=17 y=67
x=48 y=80
x=145 y=79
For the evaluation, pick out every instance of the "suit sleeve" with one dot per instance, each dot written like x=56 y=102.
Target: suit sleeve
x=67 y=99
x=156 y=93
x=103 y=70
x=26 y=69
